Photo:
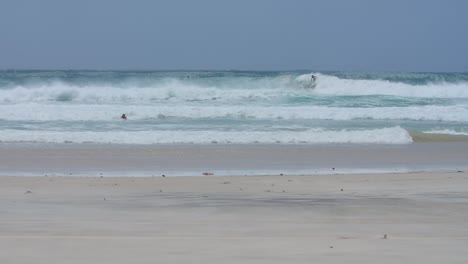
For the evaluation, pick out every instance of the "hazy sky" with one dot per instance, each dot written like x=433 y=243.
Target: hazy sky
x=359 y=35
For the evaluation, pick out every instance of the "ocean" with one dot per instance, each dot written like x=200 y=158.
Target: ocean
x=230 y=107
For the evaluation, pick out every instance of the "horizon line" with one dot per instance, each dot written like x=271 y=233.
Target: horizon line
x=220 y=70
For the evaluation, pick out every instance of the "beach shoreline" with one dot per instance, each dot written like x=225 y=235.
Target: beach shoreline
x=39 y=159
x=327 y=203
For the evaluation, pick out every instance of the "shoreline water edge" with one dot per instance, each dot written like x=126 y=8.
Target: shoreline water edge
x=231 y=122
x=40 y=159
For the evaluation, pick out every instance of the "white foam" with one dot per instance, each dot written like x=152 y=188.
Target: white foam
x=331 y=85
x=163 y=90
x=237 y=88
x=446 y=132
x=82 y=112
x=392 y=135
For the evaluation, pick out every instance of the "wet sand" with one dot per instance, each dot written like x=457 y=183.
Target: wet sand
x=364 y=218
x=175 y=160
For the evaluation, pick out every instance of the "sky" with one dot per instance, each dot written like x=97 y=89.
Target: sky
x=341 y=35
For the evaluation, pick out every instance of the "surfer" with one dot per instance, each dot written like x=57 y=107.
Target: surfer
x=124 y=117
x=313 y=81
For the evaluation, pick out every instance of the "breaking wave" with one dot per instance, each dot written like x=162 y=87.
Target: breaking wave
x=41 y=112
x=229 y=107
x=393 y=135
x=224 y=89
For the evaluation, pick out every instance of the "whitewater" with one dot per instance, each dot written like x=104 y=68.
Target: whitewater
x=229 y=107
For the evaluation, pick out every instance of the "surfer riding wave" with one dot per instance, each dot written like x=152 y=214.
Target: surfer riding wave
x=313 y=81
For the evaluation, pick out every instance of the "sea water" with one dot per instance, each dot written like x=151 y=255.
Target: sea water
x=229 y=107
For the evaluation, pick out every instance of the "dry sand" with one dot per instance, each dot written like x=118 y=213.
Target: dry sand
x=255 y=219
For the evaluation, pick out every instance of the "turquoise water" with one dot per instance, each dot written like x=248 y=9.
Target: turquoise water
x=229 y=106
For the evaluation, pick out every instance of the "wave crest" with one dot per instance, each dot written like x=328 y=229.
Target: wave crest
x=224 y=89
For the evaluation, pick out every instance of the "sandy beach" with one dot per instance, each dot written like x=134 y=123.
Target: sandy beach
x=39 y=159
x=363 y=218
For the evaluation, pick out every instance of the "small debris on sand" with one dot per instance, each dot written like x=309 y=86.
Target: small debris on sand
x=28 y=192
x=385 y=236
x=241 y=189
x=208 y=173
x=226 y=182
x=331 y=246
x=341 y=190
x=164 y=175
